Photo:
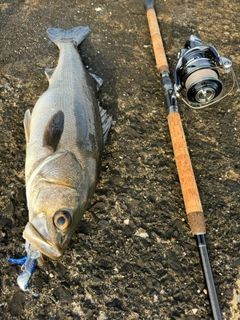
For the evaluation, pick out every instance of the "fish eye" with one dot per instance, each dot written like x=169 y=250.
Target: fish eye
x=62 y=219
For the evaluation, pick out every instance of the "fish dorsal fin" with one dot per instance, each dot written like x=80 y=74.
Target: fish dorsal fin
x=53 y=130
x=27 y=123
x=49 y=72
x=107 y=121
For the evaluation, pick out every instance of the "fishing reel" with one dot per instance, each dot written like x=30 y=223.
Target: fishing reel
x=197 y=75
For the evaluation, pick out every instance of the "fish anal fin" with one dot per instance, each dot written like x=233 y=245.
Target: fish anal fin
x=53 y=130
x=27 y=124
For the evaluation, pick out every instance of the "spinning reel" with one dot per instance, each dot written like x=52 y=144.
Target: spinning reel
x=197 y=73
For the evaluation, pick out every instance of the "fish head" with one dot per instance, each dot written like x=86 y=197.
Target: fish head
x=55 y=213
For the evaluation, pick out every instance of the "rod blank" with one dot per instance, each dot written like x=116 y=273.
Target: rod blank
x=208 y=277
x=159 y=52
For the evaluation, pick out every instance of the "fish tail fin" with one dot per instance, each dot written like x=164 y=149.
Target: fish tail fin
x=76 y=35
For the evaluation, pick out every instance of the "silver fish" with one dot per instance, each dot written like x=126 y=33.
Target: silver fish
x=65 y=136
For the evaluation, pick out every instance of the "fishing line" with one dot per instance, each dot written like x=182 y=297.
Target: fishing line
x=235 y=83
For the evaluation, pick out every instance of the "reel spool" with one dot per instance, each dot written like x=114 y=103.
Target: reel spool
x=197 y=75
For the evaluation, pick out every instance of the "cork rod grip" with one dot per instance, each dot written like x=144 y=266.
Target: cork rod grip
x=186 y=175
x=161 y=60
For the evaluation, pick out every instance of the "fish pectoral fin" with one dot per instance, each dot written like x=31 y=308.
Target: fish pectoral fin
x=49 y=72
x=53 y=130
x=27 y=123
x=107 y=121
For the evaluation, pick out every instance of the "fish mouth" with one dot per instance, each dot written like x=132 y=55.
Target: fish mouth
x=42 y=244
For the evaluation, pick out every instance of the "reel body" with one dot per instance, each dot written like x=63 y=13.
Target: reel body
x=196 y=73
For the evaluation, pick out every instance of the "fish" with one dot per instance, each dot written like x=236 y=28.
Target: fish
x=65 y=136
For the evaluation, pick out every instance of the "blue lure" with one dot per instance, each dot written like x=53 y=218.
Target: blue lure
x=28 y=266
x=17 y=261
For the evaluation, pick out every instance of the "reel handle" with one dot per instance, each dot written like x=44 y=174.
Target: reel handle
x=158 y=48
x=186 y=175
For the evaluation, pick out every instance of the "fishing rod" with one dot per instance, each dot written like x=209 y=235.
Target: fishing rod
x=197 y=77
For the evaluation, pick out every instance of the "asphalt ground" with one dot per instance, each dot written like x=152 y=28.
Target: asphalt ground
x=134 y=256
